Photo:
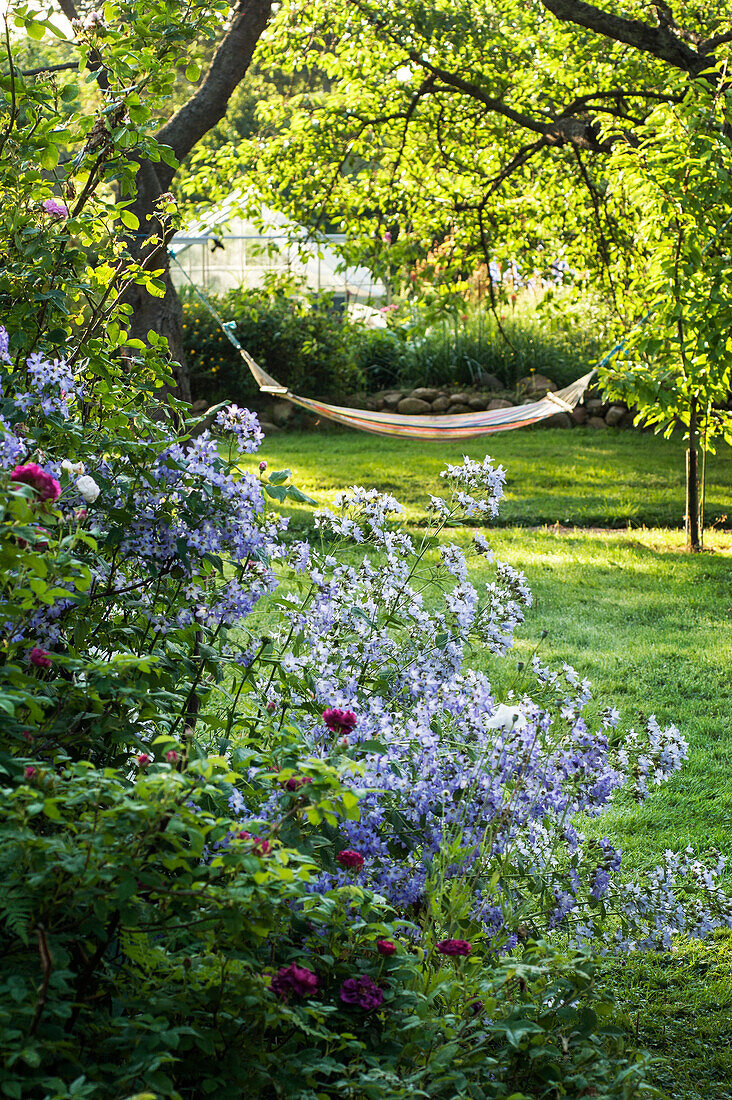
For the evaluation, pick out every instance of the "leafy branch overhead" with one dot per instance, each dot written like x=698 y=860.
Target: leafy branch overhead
x=104 y=40
x=415 y=113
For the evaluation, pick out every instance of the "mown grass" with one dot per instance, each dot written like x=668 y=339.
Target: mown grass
x=648 y=624
x=590 y=478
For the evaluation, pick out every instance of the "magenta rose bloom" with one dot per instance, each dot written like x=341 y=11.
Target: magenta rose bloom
x=386 y=947
x=339 y=721
x=294 y=979
x=454 y=947
x=296 y=782
x=349 y=858
x=46 y=486
x=361 y=992
x=39 y=658
x=260 y=847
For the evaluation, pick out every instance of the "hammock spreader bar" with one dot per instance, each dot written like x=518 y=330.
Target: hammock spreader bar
x=457 y=426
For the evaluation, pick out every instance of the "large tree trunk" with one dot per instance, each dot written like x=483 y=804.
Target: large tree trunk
x=149 y=313
x=182 y=132
x=693 y=527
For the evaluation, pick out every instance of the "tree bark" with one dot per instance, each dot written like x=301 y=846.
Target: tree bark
x=664 y=41
x=693 y=532
x=206 y=107
x=163 y=316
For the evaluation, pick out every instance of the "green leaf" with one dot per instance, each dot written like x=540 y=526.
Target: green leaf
x=50 y=809
x=34 y=30
x=276 y=491
x=49 y=157
x=296 y=494
x=279 y=477
x=129 y=219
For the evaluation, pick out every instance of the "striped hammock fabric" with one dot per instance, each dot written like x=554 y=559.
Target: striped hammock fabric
x=458 y=426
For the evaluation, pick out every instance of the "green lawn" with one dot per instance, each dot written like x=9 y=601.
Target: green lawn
x=649 y=625
x=591 y=478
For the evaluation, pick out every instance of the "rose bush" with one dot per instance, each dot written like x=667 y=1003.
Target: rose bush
x=173 y=919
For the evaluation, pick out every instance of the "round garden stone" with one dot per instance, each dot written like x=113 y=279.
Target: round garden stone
x=477 y=404
x=537 y=383
x=459 y=407
x=459 y=399
x=392 y=399
x=579 y=414
x=596 y=422
x=440 y=404
x=413 y=406
x=615 y=416
x=500 y=403
x=425 y=393
x=489 y=381
x=559 y=420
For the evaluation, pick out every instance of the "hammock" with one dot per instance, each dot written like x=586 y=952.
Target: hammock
x=457 y=426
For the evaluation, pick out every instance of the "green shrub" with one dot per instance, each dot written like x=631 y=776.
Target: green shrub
x=382 y=355
x=141 y=942
x=559 y=335
x=302 y=340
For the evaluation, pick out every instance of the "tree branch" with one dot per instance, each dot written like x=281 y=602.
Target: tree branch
x=493 y=103
x=661 y=41
x=68 y=7
x=565 y=129
x=51 y=68
x=208 y=104
x=709 y=45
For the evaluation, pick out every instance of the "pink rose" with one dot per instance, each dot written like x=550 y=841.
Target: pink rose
x=351 y=859
x=56 y=208
x=39 y=658
x=454 y=947
x=46 y=486
x=294 y=979
x=339 y=721
x=297 y=782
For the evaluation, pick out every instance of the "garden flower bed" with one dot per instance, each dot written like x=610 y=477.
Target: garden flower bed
x=264 y=819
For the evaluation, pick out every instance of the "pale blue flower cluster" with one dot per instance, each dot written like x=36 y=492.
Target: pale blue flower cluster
x=467 y=784
x=244 y=425
x=48 y=386
x=455 y=784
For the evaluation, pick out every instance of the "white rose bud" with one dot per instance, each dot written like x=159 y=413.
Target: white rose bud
x=88 y=488
x=72 y=467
